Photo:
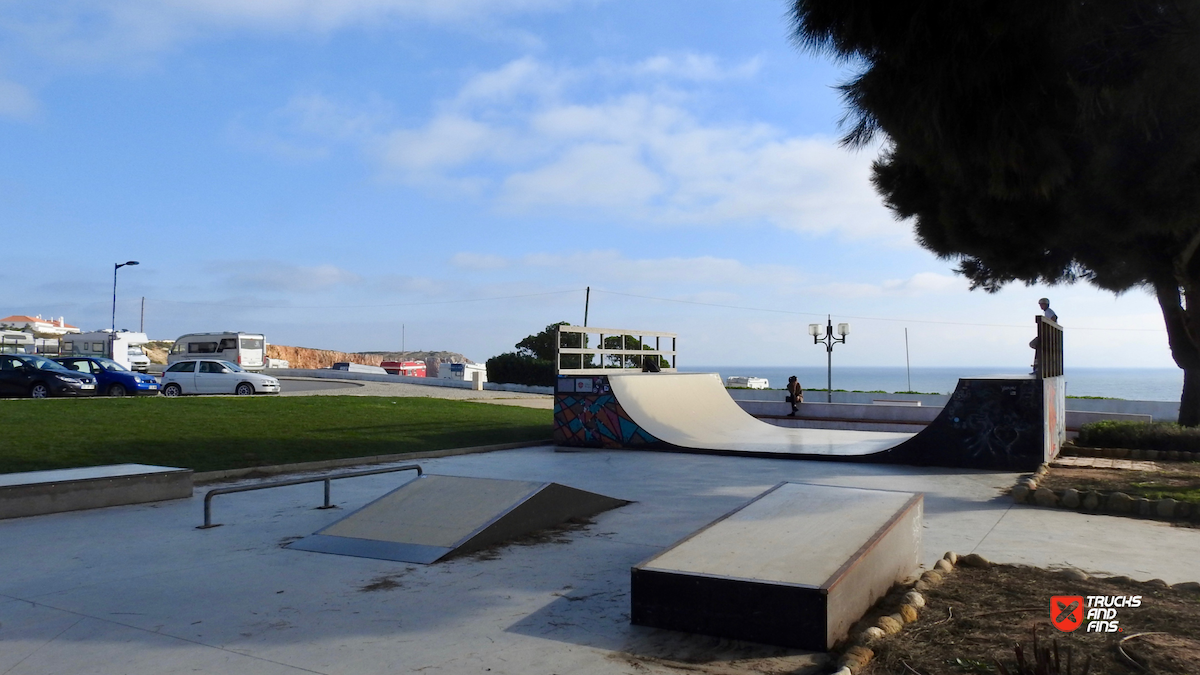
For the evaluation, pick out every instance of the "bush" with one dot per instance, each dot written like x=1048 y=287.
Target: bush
x=513 y=368
x=1140 y=436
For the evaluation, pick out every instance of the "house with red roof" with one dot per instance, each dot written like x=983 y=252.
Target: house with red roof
x=37 y=324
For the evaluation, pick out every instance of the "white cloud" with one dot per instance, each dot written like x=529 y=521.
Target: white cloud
x=920 y=284
x=16 y=100
x=698 y=67
x=701 y=273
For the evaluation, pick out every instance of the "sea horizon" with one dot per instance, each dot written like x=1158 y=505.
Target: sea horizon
x=1135 y=384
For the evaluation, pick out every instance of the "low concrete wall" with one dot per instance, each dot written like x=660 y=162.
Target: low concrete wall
x=882 y=417
x=1159 y=411
x=328 y=374
x=35 y=493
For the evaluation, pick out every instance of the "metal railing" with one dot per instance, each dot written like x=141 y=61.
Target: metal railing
x=618 y=349
x=296 y=481
x=1049 y=356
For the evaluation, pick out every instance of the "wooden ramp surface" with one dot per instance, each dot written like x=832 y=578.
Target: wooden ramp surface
x=434 y=517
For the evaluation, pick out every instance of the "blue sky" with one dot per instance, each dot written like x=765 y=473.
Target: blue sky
x=333 y=173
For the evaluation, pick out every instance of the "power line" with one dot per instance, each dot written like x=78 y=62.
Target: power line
x=862 y=318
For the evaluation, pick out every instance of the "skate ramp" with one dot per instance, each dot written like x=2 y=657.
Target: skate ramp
x=436 y=517
x=693 y=410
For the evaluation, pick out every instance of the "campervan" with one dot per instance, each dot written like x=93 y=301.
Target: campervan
x=358 y=368
x=247 y=350
x=462 y=371
x=124 y=347
x=16 y=342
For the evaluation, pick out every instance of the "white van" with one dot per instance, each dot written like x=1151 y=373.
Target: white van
x=16 y=342
x=248 y=350
x=126 y=347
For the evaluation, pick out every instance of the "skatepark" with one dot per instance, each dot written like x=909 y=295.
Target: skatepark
x=140 y=589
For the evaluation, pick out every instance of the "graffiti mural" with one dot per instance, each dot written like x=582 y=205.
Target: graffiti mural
x=586 y=414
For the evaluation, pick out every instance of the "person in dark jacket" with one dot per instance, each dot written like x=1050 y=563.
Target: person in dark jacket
x=795 y=395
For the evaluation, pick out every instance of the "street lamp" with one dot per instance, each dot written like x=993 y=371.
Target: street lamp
x=814 y=329
x=112 y=337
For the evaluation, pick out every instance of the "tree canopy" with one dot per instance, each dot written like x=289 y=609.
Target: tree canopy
x=1036 y=141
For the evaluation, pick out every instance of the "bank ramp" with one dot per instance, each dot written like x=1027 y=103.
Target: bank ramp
x=436 y=517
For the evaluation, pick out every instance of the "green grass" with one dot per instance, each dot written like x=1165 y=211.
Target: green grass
x=208 y=434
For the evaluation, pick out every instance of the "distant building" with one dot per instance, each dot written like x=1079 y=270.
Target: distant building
x=37 y=324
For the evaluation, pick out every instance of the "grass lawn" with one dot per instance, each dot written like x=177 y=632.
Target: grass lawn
x=207 y=434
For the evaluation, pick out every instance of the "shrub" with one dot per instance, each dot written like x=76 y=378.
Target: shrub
x=1140 y=436
x=514 y=368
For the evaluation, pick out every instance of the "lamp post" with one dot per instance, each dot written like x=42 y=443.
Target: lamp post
x=814 y=329
x=112 y=337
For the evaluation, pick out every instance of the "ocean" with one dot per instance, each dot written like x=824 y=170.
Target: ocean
x=1137 y=384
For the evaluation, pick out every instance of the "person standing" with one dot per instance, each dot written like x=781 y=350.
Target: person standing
x=795 y=394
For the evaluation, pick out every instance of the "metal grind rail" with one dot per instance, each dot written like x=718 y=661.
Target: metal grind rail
x=296 y=481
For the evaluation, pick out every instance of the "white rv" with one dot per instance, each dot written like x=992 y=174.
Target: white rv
x=123 y=347
x=248 y=350
x=16 y=342
x=462 y=371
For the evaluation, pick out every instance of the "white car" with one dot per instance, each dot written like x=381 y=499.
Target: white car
x=214 y=377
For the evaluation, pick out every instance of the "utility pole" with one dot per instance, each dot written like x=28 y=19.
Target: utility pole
x=142 y=324
x=587 y=300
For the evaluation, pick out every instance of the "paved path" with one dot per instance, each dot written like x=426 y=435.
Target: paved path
x=139 y=590
x=304 y=386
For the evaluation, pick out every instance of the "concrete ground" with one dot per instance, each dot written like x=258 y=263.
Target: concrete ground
x=139 y=590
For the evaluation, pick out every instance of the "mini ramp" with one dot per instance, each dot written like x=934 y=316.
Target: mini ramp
x=436 y=517
x=1013 y=423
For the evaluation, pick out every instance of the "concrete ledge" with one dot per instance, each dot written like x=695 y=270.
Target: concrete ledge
x=34 y=493
x=299 y=467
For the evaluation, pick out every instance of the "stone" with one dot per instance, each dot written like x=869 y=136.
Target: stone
x=1074 y=574
x=1119 y=502
x=1042 y=470
x=1045 y=497
x=1182 y=510
x=1030 y=483
x=1192 y=586
x=943 y=566
x=1157 y=582
x=1173 y=454
x=889 y=625
x=951 y=556
x=873 y=633
x=1142 y=507
x=1091 y=500
x=922 y=585
x=1020 y=493
x=1165 y=508
x=1151 y=454
x=1070 y=498
x=1136 y=454
x=908 y=613
x=845 y=670
x=1121 y=453
x=931 y=577
x=975 y=561
x=915 y=599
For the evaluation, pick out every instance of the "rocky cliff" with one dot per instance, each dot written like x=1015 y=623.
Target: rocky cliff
x=303 y=357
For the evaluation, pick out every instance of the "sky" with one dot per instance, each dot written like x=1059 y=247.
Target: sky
x=377 y=174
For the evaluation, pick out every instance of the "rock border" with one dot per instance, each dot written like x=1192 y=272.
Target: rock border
x=856 y=653
x=1072 y=450
x=1027 y=491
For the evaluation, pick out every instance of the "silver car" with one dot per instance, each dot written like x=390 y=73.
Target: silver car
x=214 y=377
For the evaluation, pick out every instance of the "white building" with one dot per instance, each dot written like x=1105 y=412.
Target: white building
x=37 y=324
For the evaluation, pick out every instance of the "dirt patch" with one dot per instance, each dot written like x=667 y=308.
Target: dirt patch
x=559 y=534
x=1177 y=480
x=973 y=618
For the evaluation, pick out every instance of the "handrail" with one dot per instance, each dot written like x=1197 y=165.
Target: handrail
x=296 y=481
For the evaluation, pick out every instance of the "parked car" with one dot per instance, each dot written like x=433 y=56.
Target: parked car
x=39 y=377
x=112 y=378
x=215 y=377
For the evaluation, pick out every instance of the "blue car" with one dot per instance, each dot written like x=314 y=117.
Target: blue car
x=112 y=379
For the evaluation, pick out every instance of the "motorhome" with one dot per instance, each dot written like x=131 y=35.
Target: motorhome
x=462 y=371
x=358 y=368
x=247 y=350
x=124 y=347
x=16 y=342
x=405 y=368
